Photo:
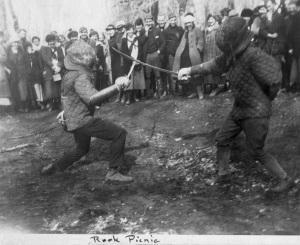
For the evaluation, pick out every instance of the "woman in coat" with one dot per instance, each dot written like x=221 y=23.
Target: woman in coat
x=211 y=50
x=18 y=76
x=5 y=96
x=35 y=76
x=189 y=50
x=130 y=46
x=270 y=31
x=53 y=59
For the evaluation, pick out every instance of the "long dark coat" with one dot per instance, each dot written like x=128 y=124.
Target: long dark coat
x=4 y=85
x=196 y=44
x=116 y=68
x=18 y=76
x=51 y=89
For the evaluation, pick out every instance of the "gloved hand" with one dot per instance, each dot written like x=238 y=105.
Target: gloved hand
x=184 y=73
x=122 y=83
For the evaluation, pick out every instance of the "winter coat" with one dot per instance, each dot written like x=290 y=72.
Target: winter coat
x=18 y=66
x=142 y=41
x=4 y=85
x=35 y=67
x=116 y=68
x=294 y=35
x=127 y=49
x=269 y=45
x=173 y=36
x=211 y=49
x=195 y=44
x=47 y=57
x=77 y=86
x=17 y=63
x=154 y=41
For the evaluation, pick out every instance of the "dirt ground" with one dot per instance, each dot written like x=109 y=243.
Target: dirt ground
x=171 y=149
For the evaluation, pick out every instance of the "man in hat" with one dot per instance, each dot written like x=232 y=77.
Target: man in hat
x=162 y=25
x=255 y=78
x=173 y=35
x=23 y=39
x=79 y=100
x=53 y=58
x=153 y=48
x=116 y=70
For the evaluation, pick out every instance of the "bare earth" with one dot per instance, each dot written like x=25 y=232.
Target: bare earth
x=171 y=149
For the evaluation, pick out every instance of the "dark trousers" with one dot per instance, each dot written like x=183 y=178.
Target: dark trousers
x=101 y=129
x=256 y=130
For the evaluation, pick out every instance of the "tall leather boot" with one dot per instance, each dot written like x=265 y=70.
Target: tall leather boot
x=223 y=159
x=273 y=166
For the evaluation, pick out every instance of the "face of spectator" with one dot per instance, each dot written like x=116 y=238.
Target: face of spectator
x=189 y=26
x=130 y=32
x=161 y=22
x=29 y=50
x=36 y=42
x=111 y=32
x=94 y=37
x=291 y=7
x=102 y=37
x=262 y=11
x=22 y=34
x=173 y=21
x=270 y=6
x=73 y=39
x=211 y=21
x=84 y=36
x=14 y=46
x=139 y=28
x=62 y=39
x=149 y=22
x=52 y=44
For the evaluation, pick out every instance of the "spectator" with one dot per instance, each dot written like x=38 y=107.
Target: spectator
x=294 y=42
x=35 y=76
x=247 y=14
x=211 y=51
x=53 y=60
x=83 y=35
x=36 y=43
x=189 y=51
x=72 y=36
x=101 y=53
x=154 y=46
x=131 y=47
x=116 y=70
x=23 y=39
x=5 y=95
x=161 y=21
x=61 y=42
x=270 y=31
x=173 y=35
x=141 y=37
x=18 y=75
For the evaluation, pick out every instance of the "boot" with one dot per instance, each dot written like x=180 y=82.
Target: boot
x=118 y=99
x=273 y=166
x=158 y=89
x=127 y=97
x=114 y=175
x=200 y=93
x=223 y=158
x=284 y=185
x=135 y=96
